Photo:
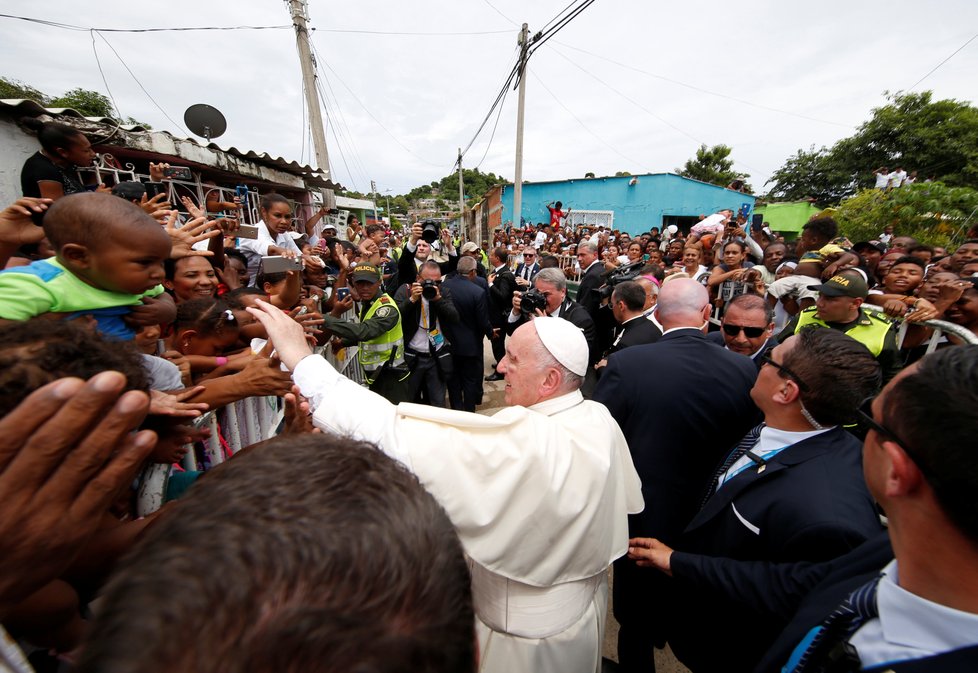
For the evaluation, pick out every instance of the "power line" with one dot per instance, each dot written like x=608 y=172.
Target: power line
x=340 y=118
x=378 y=122
x=631 y=100
x=541 y=38
x=426 y=33
x=496 y=10
x=499 y=98
x=702 y=90
x=105 y=82
x=583 y=125
x=942 y=62
x=136 y=79
x=492 y=135
x=68 y=26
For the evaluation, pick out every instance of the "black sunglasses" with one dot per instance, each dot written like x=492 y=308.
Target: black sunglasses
x=751 y=332
x=865 y=414
x=766 y=359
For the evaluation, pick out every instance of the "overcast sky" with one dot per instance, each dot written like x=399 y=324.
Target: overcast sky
x=826 y=63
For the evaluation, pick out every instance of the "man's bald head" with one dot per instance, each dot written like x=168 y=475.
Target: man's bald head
x=682 y=303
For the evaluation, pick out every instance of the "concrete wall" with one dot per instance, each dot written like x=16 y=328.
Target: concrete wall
x=15 y=147
x=637 y=207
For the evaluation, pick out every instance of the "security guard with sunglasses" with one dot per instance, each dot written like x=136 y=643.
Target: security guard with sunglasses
x=747 y=328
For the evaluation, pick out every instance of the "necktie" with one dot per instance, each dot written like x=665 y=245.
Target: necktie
x=830 y=651
x=745 y=445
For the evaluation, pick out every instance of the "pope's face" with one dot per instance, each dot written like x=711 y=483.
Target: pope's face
x=521 y=367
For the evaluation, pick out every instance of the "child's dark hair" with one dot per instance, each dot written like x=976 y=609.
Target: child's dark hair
x=36 y=352
x=90 y=219
x=236 y=254
x=206 y=316
x=273 y=278
x=271 y=199
x=233 y=298
x=52 y=135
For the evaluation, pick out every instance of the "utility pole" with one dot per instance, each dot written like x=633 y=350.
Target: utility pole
x=373 y=190
x=461 y=198
x=297 y=9
x=518 y=177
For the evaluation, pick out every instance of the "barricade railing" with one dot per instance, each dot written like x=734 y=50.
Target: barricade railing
x=939 y=328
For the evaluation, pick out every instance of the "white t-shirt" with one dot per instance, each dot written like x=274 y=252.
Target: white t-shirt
x=897 y=178
x=256 y=248
x=882 y=180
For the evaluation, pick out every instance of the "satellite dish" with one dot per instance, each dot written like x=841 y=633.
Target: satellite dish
x=205 y=121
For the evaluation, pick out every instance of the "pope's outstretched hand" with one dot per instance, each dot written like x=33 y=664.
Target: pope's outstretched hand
x=287 y=336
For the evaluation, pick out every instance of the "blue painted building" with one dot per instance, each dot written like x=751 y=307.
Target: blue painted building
x=633 y=203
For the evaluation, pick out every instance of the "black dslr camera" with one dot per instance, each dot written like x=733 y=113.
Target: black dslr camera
x=429 y=231
x=532 y=300
x=429 y=289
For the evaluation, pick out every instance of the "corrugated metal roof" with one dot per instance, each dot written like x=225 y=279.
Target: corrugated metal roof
x=313 y=176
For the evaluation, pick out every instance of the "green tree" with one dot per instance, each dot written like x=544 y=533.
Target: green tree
x=935 y=138
x=89 y=103
x=12 y=88
x=713 y=165
x=931 y=212
x=813 y=174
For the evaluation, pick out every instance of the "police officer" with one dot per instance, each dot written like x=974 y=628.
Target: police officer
x=839 y=307
x=378 y=334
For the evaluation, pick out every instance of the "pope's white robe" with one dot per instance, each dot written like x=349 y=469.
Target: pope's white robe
x=539 y=495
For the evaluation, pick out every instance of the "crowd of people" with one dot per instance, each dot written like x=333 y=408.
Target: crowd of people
x=765 y=439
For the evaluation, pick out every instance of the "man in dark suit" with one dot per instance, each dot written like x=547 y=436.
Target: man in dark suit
x=628 y=306
x=678 y=429
x=465 y=384
x=552 y=284
x=592 y=271
x=791 y=490
x=747 y=328
x=528 y=269
x=427 y=350
x=502 y=285
x=918 y=612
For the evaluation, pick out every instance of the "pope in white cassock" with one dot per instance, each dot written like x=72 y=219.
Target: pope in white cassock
x=539 y=493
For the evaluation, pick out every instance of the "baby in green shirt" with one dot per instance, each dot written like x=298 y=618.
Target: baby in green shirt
x=109 y=259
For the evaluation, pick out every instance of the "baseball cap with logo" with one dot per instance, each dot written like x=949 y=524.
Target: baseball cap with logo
x=848 y=283
x=366 y=272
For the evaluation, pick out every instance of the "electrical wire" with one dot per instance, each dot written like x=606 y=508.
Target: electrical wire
x=496 y=10
x=140 y=84
x=105 y=82
x=410 y=33
x=942 y=62
x=498 y=100
x=68 y=26
x=631 y=100
x=492 y=135
x=584 y=126
x=541 y=38
x=341 y=119
x=378 y=122
x=701 y=89
x=334 y=127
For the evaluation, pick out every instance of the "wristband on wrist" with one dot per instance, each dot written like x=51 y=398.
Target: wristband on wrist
x=221 y=360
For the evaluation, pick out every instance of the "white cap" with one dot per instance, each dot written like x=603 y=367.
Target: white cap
x=565 y=341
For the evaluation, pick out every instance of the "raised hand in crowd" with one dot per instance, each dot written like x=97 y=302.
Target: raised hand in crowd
x=157 y=207
x=16 y=226
x=65 y=453
x=184 y=238
x=156 y=171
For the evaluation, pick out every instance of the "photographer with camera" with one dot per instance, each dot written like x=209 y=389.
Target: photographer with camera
x=548 y=297
x=426 y=307
x=418 y=249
